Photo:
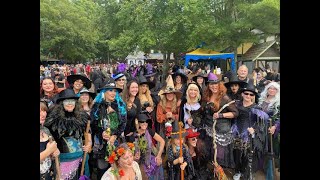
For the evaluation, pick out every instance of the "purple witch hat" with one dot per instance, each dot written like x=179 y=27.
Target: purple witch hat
x=149 y=71
x=212 y=78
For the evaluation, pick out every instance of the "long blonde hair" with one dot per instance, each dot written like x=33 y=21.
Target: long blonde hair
x=198 y=98
x=147 y=94
x=174 y=145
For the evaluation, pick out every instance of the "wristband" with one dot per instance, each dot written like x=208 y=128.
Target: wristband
x=220 y=115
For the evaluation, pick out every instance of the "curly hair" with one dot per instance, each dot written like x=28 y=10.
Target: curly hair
x=274 y=101
x=163 y=104
x=221 y=92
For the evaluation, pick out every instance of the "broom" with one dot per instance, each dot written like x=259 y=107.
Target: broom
x=56 y=160
x=217 y=168
x=180 y=152
x=270 y=175
x=86 y=141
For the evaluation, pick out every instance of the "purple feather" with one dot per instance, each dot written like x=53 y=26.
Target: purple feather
x=149 y=68
x=261 y=114
x=121 y=67
x=134 y=73
x=84 y=177
x=245 y=136
x=234 y=130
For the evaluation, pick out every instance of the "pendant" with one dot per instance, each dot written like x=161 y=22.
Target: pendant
x=108 y=131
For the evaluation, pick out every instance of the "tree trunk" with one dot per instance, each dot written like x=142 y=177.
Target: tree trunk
x=165 y=67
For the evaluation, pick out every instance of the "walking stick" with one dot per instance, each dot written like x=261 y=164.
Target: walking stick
x=181 y=154
x=56 y=160
x=86 y=142
x=218 y=169
x=271 y=173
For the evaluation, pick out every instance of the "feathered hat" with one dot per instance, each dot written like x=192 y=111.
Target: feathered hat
x=121 y=68
x=192 y=133
x=109 y=84
x=117 y=76
x=170 y=88
x=149 y=70
x=212 y=78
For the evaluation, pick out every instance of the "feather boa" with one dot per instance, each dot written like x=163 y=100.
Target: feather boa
x=121 y=67
x=66 y=123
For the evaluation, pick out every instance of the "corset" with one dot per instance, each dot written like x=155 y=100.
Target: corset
x=69 y=144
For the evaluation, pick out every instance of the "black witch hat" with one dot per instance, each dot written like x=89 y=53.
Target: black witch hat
x=250 y=87
x=66 y=94
x=86 y=82
x=204 y=76
x=234 y=80
x=143 y=80
x=149 y=71
x=85 y=90
x=175 y=130
x=180 y=73
x=142 y=117
x=109 y=84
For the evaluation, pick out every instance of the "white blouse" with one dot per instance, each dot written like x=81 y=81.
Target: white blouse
x=109 y=176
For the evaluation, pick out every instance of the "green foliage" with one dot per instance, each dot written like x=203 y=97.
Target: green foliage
x=78 y=30
x=68 y=29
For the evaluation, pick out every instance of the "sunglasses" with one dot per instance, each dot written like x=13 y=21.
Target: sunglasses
x=193 y=139
x=142 y=121
x=248 y=94
x=121 y=80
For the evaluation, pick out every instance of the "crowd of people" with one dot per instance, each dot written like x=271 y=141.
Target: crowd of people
x=108 y=122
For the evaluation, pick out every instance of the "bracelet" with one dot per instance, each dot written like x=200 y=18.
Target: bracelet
x=220 y=115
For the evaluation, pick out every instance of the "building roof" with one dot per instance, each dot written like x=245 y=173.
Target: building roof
x=136 y=56
x=158 y=56
x=243 y=48
x=257 y=51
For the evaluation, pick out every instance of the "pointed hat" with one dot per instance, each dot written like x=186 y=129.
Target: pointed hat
x=170 y=88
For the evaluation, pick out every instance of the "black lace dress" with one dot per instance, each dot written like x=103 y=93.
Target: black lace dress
x=223 y=132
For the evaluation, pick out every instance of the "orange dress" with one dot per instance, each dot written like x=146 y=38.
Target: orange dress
x=161 y=114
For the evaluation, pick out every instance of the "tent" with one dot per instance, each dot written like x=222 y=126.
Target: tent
x=207 y=54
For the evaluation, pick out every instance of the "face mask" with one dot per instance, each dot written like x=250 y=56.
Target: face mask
x=69 y=101
x=177 y=148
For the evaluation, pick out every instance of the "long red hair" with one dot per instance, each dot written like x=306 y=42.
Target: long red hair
x=221 y=92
